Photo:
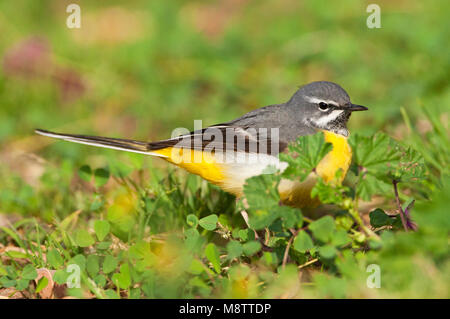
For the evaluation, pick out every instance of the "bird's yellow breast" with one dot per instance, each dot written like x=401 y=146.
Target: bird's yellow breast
x=339 y=158
x=298 y=194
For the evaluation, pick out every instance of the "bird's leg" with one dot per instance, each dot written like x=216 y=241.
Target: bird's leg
x=244 y=215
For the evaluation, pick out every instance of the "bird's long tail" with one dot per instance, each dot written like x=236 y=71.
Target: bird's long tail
x=106 y=142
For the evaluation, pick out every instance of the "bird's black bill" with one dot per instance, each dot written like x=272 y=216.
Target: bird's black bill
x=355 y=107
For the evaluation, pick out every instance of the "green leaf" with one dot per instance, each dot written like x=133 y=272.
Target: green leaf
x=304 y=154
x=269 y=258
x=42 y=283
x=123 y=278
x=193 y=240
x=16 y=254
x=60 y=276
x=251 y=248
x=327 y=251
x=100 y=280
x=7 y=283
x=29 y=272
x=224 y=219
x=246 y=234
x=323 y=228
x=111 y=294
x=340 y=238
x=12 y=272
x=192 y=220
x=374 y=153
x=212 y=254
x=109 y=264
x=103 y=245
x=375 y=244
x=379 y=218
x=261 y=218
x=291 y=217
x=303 y=242
x=79 y=260
x=261 y=191
x=234 y=249
x=141 y=255
x=85 y=173
x=101 y=176
x=22 y=284
x=83 y=238
x=329 y=193
x=263 y=198
x=101 y=228
x=135 y=293
x=92 y=265
x=196 y=267
x=344 y=221
x=370 y=185
x=54 y=258
x=209 y=222
x=199 y=283
x=380 y=160
x=411 y=167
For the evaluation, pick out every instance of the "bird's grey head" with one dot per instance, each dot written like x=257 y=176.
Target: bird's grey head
x=324 y=106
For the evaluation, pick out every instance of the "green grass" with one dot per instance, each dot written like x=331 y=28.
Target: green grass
x=138 y=228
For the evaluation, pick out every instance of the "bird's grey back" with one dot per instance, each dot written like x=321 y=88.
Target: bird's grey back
x=275 y=116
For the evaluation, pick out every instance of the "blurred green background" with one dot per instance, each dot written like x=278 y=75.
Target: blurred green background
x=142 y=68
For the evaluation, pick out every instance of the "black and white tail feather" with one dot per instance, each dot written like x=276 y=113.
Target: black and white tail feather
x=106 y=142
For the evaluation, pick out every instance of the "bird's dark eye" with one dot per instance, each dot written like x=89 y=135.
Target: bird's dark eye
x=323 y=106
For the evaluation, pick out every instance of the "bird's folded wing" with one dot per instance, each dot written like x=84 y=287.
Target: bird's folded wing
x=225 y=138
x=218 y=138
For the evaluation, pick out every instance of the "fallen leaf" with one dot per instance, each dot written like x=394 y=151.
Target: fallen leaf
x=47 y=292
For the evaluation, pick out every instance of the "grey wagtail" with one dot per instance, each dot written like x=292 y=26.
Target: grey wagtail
x=265 y=132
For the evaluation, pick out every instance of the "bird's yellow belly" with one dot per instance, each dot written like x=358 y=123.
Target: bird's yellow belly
x=195 y=162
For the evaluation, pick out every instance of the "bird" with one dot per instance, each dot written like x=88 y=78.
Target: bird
x=229 y=153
